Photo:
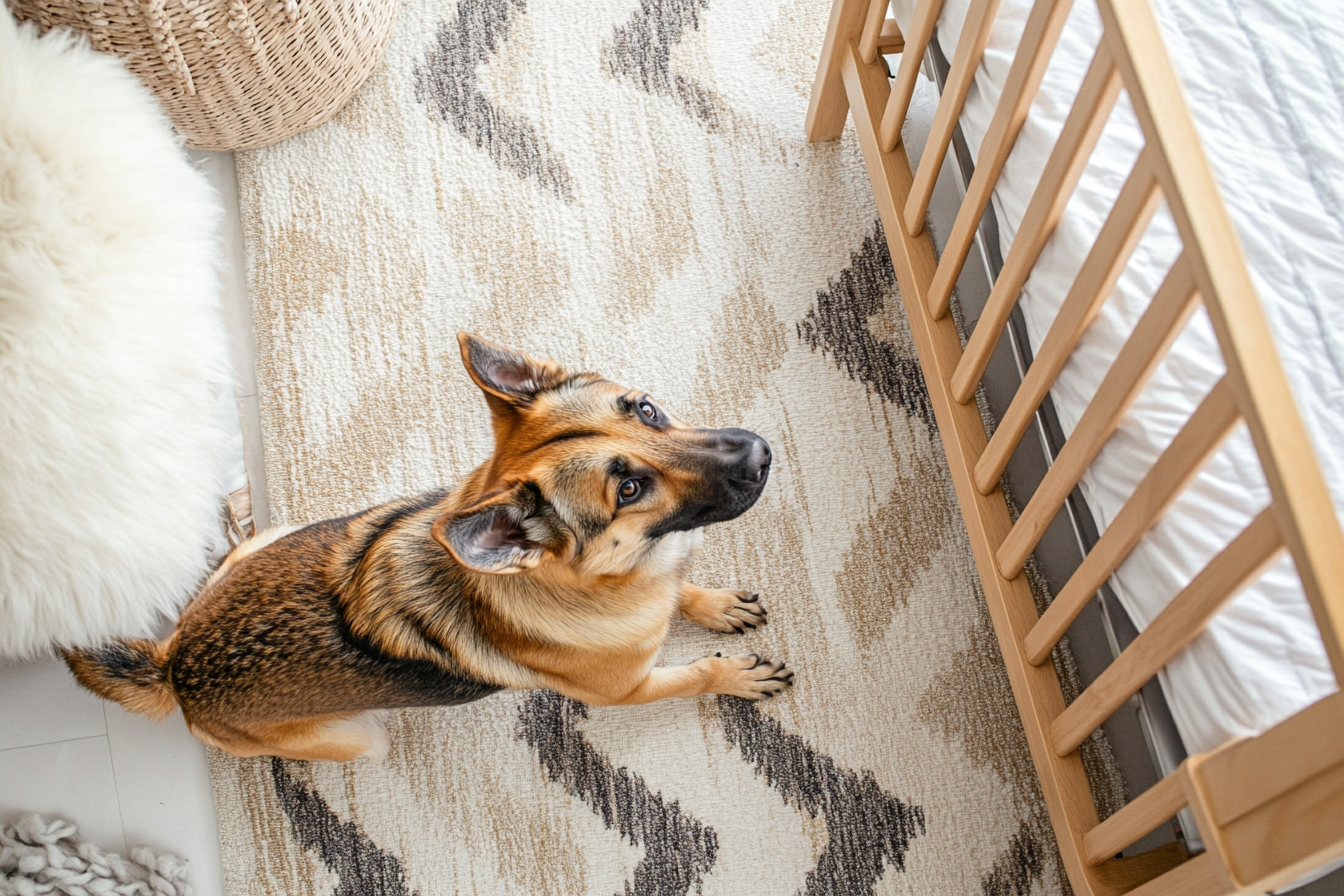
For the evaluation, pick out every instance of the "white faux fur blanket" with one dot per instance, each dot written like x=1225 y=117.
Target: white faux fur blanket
x=114 y=443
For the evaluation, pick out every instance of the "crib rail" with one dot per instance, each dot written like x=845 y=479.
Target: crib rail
x=1270 y=807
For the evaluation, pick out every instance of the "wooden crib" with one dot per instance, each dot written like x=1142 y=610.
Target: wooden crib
x=1270 y=807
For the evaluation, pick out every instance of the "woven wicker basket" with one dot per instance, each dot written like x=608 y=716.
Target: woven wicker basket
x=234 y=74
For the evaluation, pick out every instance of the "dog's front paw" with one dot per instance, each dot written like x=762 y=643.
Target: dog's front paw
x=747 y=676
x=722 y=609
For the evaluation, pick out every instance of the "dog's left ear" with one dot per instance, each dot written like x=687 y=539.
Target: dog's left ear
x=506 y=375
x=507 y=533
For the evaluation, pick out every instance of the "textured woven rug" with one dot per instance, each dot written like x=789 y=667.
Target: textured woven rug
x=624 y=185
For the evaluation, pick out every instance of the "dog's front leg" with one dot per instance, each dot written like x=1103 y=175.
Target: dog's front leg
x=720 y=609
x=746 y=676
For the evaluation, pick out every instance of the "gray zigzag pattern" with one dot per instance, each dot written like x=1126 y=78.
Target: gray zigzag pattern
x=837 y=324
x=360 y=866
x=448 y=83
x=869 y=829
x=641 y=50
x=678 y=849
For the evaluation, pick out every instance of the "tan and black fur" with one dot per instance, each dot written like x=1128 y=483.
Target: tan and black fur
x=558 y=563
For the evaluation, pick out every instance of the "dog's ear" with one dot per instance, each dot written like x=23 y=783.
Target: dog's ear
x=506 y=375
x=506 y=533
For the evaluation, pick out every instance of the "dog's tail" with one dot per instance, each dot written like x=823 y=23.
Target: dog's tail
x=132 y=673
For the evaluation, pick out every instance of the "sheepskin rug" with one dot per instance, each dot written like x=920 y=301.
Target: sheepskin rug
x=115 y=445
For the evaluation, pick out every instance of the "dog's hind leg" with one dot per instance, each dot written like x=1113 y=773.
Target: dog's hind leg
x=336 y=739
x=720 y=609
x=246 y=549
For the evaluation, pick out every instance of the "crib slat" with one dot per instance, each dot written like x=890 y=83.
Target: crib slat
x=828 y=108
x=1101 y=269
x=916 y=42
x=1138 y=817
x=970 y=47
x=1201 y=435
x=1024 y=79
x=1157 y=329
x=1065 y=166
x=1236 y=566
x=872 y=29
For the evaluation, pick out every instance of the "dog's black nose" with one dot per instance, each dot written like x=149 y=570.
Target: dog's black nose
x=758 y=460
x=749 y=453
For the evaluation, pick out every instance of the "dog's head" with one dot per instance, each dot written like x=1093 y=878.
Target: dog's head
x=588 y=472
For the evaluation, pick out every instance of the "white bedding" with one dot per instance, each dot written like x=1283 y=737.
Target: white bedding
x=1265 y=81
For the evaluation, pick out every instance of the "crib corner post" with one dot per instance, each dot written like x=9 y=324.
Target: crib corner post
x=829 y=106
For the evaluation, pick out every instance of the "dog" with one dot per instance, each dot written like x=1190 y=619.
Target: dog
x=558 y=563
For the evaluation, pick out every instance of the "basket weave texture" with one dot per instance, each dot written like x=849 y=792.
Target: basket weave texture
x=234 y=74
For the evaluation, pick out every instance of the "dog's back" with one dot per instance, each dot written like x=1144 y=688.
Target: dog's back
x=270 y=639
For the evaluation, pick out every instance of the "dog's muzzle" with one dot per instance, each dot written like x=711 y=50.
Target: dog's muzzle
x=735 y=465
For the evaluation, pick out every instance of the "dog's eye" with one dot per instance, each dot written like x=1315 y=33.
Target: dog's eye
x=648 y=410
x=629 y=491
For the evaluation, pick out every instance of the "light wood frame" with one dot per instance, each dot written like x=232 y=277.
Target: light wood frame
x=1270 y=807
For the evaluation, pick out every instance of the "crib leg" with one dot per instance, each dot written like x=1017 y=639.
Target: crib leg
x=829 y=107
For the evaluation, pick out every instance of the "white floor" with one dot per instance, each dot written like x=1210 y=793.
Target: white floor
x=123 y=779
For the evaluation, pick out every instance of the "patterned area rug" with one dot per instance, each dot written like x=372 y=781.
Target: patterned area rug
x=624 y=185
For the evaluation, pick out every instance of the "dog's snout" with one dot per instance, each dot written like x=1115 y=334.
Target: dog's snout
x=733 y=467
x=748 y=456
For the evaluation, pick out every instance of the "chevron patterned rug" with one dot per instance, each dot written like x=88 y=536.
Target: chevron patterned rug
x=624 y=185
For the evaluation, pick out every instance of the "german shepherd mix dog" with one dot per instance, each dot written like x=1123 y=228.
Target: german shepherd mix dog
x=557 y=563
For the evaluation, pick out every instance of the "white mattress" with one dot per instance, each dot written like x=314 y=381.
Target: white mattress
x=1265 y=80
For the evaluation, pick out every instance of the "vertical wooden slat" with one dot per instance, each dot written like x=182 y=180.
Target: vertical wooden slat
x=1310 y=527
x=1201 y=435
x=1101 y=269
x=1157 y=329
x=1138 y=817
x=970 y=47
x=872 y=29
x=828 y=107
x=916 y=42
x=1024 y=79
x=1236 y=566
x=1065 y=166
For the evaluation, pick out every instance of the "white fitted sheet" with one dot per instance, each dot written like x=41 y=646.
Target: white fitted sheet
x=1265 y=82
